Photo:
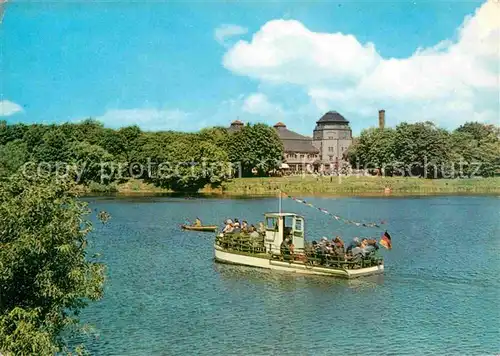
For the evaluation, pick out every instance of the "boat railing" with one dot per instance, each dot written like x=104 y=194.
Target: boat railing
x=243 y=243
x=343 y=261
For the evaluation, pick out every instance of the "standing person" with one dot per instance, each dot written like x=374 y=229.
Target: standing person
x=244 y=226
x=285 y=248
x=261 y=230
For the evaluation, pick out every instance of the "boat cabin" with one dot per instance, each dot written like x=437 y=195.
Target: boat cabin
x=280 y=226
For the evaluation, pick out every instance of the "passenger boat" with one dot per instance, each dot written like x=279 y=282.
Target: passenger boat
x=265 y=251
x=207 y=228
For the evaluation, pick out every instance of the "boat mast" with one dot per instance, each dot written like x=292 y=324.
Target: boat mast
x=279 y=204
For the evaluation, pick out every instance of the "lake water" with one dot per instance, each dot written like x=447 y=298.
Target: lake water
x=166 y=296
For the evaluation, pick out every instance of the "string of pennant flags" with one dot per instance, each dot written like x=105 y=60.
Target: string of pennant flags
x=336 y=217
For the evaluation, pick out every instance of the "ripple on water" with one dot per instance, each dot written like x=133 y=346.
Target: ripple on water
x=166 y=296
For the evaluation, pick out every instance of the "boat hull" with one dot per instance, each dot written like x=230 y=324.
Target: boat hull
x=224 y=256
x=199 y=228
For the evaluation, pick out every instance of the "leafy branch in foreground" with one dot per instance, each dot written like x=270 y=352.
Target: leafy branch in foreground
x=46 y=276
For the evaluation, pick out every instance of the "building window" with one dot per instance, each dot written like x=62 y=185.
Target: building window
x=330 y=137
x=330 y=149
x=331 y=158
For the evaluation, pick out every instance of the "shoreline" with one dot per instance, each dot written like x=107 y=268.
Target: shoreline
x=273 y=196
x=382 y=187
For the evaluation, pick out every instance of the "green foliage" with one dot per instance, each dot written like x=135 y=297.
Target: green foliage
x=12 y=156
x=424 y=150
x=89 y=130
x=11 y=132
x=53 y=147
x=189 y=163
x=173 y=160
x=95 y=187
x=33 y=136
x=87 y=160
x=480 y=132
x=46 y=276
x=256 y=146
x=374 y=149
x=217 y=135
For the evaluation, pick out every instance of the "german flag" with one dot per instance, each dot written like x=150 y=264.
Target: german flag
x=386 y=240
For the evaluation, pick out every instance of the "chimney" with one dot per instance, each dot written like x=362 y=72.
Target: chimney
x=381 y=119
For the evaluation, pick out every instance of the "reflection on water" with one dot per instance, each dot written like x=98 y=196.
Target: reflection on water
x=238 y=275
x=166 y=296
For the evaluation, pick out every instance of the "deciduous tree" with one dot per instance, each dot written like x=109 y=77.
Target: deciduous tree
x=46 y=274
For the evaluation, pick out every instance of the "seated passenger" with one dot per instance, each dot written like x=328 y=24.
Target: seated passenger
x=228 y=229
x=309 y=248
x=338 y=247
x=256 y=239
x=291 y=246
x=368 y=246
x=338 y=242
x=357 y=253
x=253 y=232
x=353 y=244
x=236 y=224
x=372 y=242
x=197 y=222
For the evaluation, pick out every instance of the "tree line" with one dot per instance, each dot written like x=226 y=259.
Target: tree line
x=176 y=160
x=100 y=157
x=425 y=150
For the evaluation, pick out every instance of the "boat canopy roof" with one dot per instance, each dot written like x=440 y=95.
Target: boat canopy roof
x=275 y=215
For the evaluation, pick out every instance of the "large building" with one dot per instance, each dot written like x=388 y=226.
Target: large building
x=325 y=150
x=332 y=136
x=300 y=153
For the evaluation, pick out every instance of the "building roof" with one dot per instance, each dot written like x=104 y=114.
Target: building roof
x=275 y=215
x=294 y=142
x=332 y=117
x=236 y=125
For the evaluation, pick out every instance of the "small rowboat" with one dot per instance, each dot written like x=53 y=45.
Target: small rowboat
x=208 y=228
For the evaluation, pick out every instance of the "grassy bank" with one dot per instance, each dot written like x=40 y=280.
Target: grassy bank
x=324 y=185
x=359 y=185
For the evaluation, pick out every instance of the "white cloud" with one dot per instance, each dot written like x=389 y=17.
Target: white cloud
x=259 y=104
x=286 y=51
x=449 y=83
x=8 y=108
x=149 y=119
x=226 y=31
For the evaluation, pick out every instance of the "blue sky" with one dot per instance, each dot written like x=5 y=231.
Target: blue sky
x=186 y=65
